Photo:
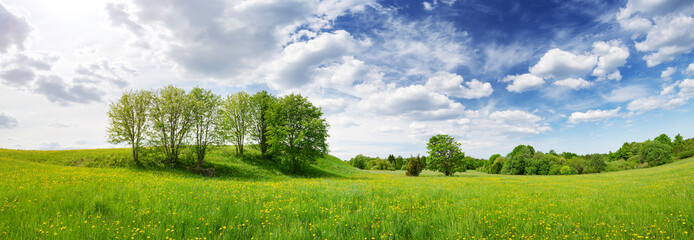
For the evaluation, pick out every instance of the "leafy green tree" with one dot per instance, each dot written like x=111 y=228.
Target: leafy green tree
x=497 y=165
x=515 y=161
x=678 y=144
x=128 y=120
x=663 y=138
x=577 y=163
x=491 y=159
x=237 y=118
x=568 y=170
x=655 y=153
x=171 y=119
x=399 y=162
x=359 y=161
x=414 y=166
x=206 y=115
x=595 y=163
x=391 y=159
x=296 y=131
x=261 y=103
x=444 y=155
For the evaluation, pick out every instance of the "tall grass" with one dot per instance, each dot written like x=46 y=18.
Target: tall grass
x=59 y=202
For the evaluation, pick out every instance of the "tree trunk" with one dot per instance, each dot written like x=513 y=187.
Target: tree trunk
x=137 y=161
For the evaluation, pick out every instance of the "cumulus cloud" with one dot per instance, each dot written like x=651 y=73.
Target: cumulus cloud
x=593 y=115
x=667 y=99
x=452 y=85
x=524 y=82
x=299 y=63
x=557 y=63
x=611 y=55
x=516 y=121
x=17 y=77
x=119 y=15
x=14 y=30
x=668 y=26
x=667 y=73
x=7 y=121
x=687 y=88
x=406 y=99
x=574 y=83
x=689 y=70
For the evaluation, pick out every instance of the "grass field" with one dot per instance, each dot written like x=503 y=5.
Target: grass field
x=334 y=201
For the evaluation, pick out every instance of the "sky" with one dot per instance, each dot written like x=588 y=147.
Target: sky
x=580 y=76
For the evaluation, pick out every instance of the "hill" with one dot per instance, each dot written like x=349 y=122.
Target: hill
x=62 y=202
x=223 y=159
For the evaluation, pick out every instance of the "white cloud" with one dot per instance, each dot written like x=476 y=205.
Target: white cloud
x=518 y=122
x=524 y=82
x=451 y=85
x=687 y=88
x=428 y=6
x=689 y=70
x=665 y=75
x=557 y=63
x=14 y=30
x=611 y=55
x=654 y=102
x=405 y=100
x=616 y=75
x=497 y=58
x=574 y=83
x=299 y=62
x=669 y=38
x=627 y=93
x=593 y=115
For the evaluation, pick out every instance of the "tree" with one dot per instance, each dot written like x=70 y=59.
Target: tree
x=171 y=119
x=128 y=120
x=678 y=144
x=595 y=163
x=399 y=162
x=491 y=159
x=655 y=153
x=497 y=165
x=391 y=159
x=414 y=167
x=261 y=103
x=236 y=118
x=515 y=161
x=359 y=161
x=206 y=121
x=663 y=138
x=568 y=170
x=296 y=131
x=444 y=155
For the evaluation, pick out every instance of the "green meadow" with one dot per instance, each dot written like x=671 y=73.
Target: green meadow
x=61 y=195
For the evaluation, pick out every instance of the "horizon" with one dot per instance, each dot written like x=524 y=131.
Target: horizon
x=581 y=77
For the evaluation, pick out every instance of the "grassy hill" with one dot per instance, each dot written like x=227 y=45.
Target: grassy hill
x=62 y=202
x=223 y=159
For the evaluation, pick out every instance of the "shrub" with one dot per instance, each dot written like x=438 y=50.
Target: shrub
x=414 y=167
x=619 y=165
x=495 y=168
x=568 y=170
x=685 y=154
x=554 y=169
x=578 y=163
x=655 y=153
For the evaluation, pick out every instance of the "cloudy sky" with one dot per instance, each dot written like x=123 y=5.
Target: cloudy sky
x=581 y=75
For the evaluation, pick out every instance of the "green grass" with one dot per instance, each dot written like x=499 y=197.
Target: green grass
x=332 y=201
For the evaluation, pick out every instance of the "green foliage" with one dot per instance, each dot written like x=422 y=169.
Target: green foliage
x=359 y=161
x=491 y=159
x=664 y=139
x=515 y=161
x=206 y=129
x=414 y=167
x=296 y=131
x=655 y=153
x=381 y=164
x=595 y=163
x=128 y=121
x=171 y=120
x=444 y=155
x=237 y=118
x=399 y=163
x=577 y=163
x=261 y=104
x=568 y=170
x=498 y=164
x=619 y=165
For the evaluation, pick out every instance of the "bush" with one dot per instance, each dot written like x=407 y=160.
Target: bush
x=496 y=166
x=414 y=167
x=655 y=153
x=578 y=163
x=554 y=169
x=619 y=165
x=568 y=170
x=685 y=154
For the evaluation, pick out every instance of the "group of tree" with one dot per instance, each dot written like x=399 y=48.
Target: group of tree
x=288 y=129
x=524 y=160
x=444 y=155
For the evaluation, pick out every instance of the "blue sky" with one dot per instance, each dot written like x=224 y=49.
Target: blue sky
x=579 y=76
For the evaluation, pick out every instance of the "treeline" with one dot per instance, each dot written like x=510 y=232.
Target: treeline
x=289 y=129
x=414 y=165
x=445 y=155
x=524 y=160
